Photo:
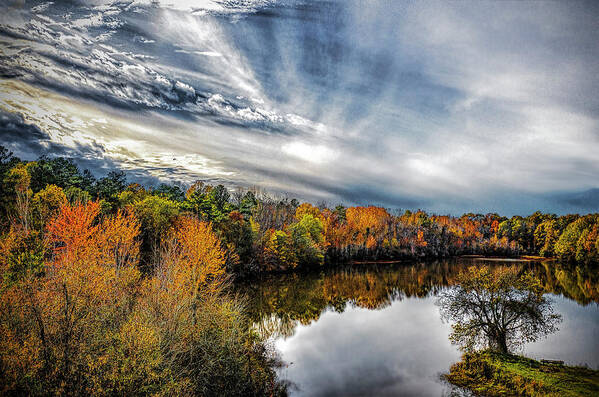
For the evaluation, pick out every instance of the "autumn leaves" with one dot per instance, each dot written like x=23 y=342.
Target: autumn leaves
x=87 y=321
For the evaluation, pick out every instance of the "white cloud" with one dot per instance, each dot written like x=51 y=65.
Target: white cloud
x=318 y=154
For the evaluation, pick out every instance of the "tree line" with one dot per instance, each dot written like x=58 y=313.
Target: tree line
x=260 y=232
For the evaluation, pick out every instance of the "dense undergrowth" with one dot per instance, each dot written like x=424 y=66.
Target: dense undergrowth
x=80 y=318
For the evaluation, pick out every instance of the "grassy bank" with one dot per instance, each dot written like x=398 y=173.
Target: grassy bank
x=494 y=374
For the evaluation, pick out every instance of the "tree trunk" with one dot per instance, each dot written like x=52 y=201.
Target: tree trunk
x=501 y=342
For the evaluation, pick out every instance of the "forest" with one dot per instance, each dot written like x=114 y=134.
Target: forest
x=260 y=232
x=110 y=287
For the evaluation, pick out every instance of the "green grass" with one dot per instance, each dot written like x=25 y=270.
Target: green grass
x=494 y=374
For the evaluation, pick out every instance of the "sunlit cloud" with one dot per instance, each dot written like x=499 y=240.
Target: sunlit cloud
x=311 y=153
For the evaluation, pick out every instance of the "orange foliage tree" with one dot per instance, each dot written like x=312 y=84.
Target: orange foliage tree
x=367 y=225
x=63 y=316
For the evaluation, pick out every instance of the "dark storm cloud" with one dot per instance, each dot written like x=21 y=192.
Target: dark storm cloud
x=28 y=142
x=587 y=201
x=22 y=138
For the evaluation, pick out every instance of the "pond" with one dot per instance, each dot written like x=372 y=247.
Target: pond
x=377 y=329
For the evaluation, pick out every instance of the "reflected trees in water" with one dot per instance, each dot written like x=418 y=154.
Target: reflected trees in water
x=278 y=303
x=498 y=309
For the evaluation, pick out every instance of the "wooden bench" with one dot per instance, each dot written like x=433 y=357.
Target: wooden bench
x=552 y=362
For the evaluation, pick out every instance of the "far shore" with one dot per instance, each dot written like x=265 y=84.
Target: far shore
x=523 y=258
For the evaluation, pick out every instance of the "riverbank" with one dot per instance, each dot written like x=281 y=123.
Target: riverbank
x=494 y=374
x=523 y=258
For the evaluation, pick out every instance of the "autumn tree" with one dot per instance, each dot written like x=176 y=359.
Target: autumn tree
x=198 y=257
x=206 y=346
x=279 y=252
x=366 y=226
x=46 y=203
x=118 y=241
x=19 y=180
x=65 y=316
x=307 y=237
x=496 y=308
x=587 y=248
x=308 y=209
x=566 y=245
x=366 y=221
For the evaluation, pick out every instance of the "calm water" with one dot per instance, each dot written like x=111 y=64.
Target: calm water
x=377 y=331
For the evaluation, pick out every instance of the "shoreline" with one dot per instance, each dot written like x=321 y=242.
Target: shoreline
x=495 y=374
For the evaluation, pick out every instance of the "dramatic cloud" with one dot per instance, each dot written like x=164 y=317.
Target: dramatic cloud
x=451 y=107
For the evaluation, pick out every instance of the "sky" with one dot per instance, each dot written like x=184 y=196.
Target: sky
x=450 y=107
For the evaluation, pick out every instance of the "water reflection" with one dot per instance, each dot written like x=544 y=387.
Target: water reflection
x=377 y=330
x=278 y=303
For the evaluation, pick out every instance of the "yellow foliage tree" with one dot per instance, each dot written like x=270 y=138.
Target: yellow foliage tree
x=308 y=209
x=46 y=203
x=19 y=179
x=193 y=257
